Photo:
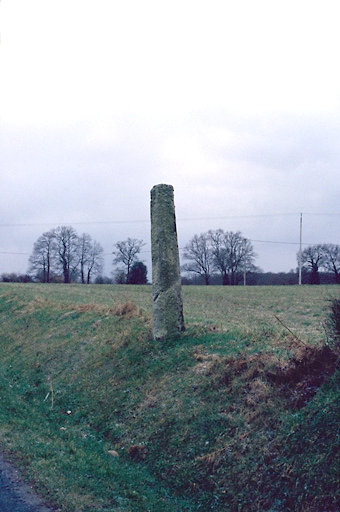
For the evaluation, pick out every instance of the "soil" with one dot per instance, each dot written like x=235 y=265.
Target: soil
x=16 y=495
x=303 y=375
x=297 y=380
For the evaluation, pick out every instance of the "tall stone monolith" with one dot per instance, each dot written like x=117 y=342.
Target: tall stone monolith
x=168 y=317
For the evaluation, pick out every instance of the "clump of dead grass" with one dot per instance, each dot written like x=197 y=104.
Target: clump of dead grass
x=207 y=363
x=85 y=308
x=265 y=377
x=127 y=309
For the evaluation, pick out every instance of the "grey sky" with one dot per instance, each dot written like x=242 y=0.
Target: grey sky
x=236 y=104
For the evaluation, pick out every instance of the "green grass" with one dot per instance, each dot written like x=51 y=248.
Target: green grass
x=219 y=419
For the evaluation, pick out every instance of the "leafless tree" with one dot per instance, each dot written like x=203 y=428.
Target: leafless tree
x=232 y=254
x=198 y=252
x=331 y=260
x=67 y=251
x=92 y=261
x=126 y=253
x=241 y=254
x=43 y=257
x=312 y=259
x=248 y=258
x=220 y=253
x=84 y=251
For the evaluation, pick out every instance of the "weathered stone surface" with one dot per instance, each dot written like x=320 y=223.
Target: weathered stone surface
x=168 y=317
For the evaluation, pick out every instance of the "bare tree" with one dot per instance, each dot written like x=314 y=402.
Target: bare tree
x=68 y=251
x=233 y=254
x=220 y=253
x=241 y=254
x=331 y=260
x=248 y=258
x=42 y=259
x=312 y=259
x=84 y=251
x=198 y=252
x=95 y=261
x=126 y=253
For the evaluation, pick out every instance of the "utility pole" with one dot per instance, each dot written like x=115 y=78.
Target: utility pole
x=300 y=252
x=245 y=270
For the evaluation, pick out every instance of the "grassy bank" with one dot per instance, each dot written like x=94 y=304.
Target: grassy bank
x=241 y=413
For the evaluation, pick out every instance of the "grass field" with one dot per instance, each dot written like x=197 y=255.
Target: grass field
x=240 y=413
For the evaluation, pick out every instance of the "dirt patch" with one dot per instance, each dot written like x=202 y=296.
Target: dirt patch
x=302 y=376
x=250 y=366
x=138 y=452
x=296 y=380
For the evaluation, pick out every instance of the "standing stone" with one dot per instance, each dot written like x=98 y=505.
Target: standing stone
x=168 y=317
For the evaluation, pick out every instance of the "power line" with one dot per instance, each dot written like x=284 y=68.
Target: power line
x=324 y=214
x=277 y=242
x=188 y=219
x=238 y=217
x=179 y=220
x=33 y=225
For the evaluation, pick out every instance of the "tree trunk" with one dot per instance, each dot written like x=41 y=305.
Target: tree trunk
x=225 y=279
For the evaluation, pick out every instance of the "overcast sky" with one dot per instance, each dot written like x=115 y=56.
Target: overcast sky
x=234 y=103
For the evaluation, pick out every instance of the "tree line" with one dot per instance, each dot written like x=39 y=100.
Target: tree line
x=213 y=257
x=62 y=255
x=227 y=257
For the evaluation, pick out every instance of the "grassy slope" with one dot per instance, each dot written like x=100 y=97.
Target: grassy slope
x=207 y=422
